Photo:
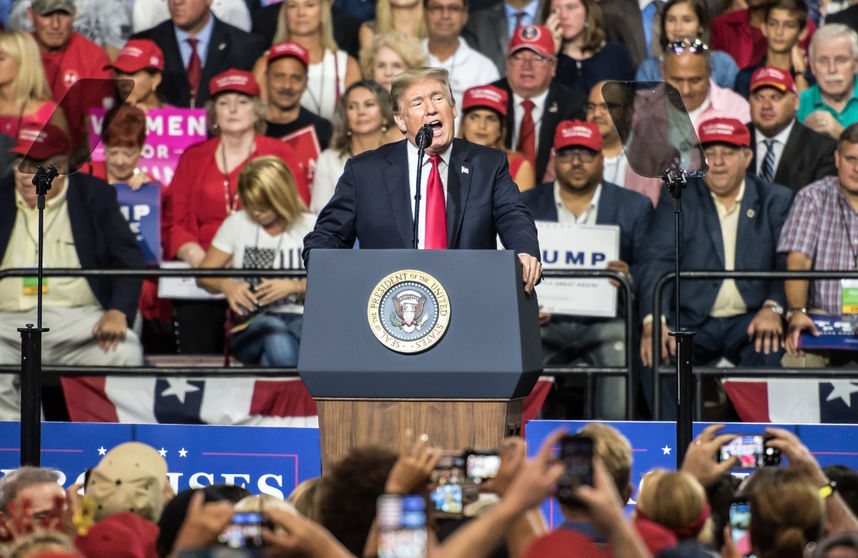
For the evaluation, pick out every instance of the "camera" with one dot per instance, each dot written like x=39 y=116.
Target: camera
x=576 y=453
x=751 y=450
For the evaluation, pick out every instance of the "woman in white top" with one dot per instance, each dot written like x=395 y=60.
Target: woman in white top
x=267 y=233
x=331 y=70
x=362 y=121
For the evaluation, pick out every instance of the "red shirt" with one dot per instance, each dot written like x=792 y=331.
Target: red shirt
x=732 y=33
x=198 y=202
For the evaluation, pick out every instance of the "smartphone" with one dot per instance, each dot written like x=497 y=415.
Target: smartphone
x=740 y=525
x=481 y=465
x=245 y=530
x=403 y=530
x=576 y=453
x=447 y=485
x=751 y=450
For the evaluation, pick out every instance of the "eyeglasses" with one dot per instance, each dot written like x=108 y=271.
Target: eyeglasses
x=569 y=155
x=438 y=8
x=520 y=59
x=693 y=47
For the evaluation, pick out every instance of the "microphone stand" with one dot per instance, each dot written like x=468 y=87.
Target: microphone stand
x=31 y=342
x=421 y=140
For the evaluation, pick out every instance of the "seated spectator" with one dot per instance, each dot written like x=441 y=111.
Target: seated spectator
x=584 y=57
x=25 y=97
x=817 y=236
x=346 y=26
x=484 y=122
x=390 y=54
x=832 y=104
x=198 y=46
x=447 y=49
x=784 y=26
x=204 y=192
x=722 y=214
x=491 y=29
x=138 y=70
x=89 y=318
x=785 y=151
x=331 y=70
x=146 y=14
x=580 y=195
x=675 y=500
x=687 y=18
x=364 y=115
x=687 y=65
x=739 y=34
x=394 y=15
x=266 y=234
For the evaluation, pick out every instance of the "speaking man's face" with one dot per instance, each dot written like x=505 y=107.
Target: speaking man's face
x=427 y=102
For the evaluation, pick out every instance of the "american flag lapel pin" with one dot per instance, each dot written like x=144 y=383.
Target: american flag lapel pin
x=221 y=46
x=553 y=107
x=464 y=170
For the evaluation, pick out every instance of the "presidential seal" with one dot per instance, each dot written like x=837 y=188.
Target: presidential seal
x=408 y=311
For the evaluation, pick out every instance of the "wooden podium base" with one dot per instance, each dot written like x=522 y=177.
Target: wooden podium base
x=452 y=424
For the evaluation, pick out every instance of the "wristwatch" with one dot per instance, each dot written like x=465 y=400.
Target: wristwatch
x=795 y=310
x=776 y=308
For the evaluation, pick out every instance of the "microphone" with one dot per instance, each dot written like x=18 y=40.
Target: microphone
x=424 y=137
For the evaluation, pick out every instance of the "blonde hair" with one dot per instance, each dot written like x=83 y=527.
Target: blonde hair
x=673 y=499
x=30 y=83
x=305 y=498
x=268 y=182
x=384 y=18
x=326 y=30
x=614 y=450
x=406 y=79
x=262 y=502
x=260 y=109
x=786 y=514
x=409 y=48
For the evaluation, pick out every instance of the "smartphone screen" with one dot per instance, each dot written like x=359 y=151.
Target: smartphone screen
x=244 y=531
x=740 y=524
x=576 y=453
x=447 y=483
x=402 y=521
x=480 y=466
x=751 y=450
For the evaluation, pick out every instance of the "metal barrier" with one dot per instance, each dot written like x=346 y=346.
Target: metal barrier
x=659 y=371
x=624 y=282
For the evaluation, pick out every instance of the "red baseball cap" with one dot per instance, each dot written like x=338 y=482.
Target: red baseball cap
x=40 y=142
x=487 y=96
x=535 y=37
x=138 y=54
x=724 y=130
x=767 y=76
x=577 y=133
x=288 y=48
x=234 y=80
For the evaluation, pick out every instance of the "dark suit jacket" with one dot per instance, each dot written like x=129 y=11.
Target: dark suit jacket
x=101 y=235
x=230 y=47
x=562 y=103
x=849 y=17
x=631 y=211
x=807 y=157
x=345 y=27
x=488 y=31
x=762 y=214
x=372 y=203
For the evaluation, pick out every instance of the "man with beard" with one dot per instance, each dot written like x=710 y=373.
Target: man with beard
x=785 y=151
x=581 y=196
x=286 y=81
x=831 y=105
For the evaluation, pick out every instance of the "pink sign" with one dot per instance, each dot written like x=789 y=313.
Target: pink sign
x=169 y=132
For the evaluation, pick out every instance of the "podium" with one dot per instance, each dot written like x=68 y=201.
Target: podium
x=442 y=341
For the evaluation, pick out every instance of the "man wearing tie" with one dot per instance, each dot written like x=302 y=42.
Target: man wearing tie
x=468 y=195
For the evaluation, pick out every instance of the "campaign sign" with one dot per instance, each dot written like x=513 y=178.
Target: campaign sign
x=570 y=246
x=169 y=131
x=142 y=209
x=263 y=460
x=305 y=144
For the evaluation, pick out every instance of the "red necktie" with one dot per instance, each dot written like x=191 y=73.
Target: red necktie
x=436 y=213
x=527 y=133
x=195 y=70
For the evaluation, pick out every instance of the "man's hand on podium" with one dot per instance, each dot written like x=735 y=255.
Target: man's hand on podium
x=531 y=271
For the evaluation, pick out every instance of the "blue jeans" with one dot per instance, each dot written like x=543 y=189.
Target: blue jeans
x=270 y=340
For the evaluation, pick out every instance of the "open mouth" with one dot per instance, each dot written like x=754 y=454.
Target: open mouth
x=436 y=126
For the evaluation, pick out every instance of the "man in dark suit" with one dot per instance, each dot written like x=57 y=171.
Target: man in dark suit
x=785 y=151
x=490 y=29
x=88 y=318
x=468 y=195
x=579 y=195
x=530 y=67
x=731 y=220
x=198 y=46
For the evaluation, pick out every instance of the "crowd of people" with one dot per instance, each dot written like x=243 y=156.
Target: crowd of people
x=769 y=88
x=125 y=506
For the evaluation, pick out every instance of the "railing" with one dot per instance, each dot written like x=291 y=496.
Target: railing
x=660 y=371
x=628 y=371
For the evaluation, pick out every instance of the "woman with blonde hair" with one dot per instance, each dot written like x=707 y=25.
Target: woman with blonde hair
x=390 y=54
x=405 y=16
x=677 y=501
x=24 y=93
x=331 y=69
x=266 y=233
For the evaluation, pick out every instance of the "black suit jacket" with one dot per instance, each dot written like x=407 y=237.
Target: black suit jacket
x=807 y=157
x=372 y=203
x=849 y=17
x=101 y=237
x=230 y=47
x=562 y=103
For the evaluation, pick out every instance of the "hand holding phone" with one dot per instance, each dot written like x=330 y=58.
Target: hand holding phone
x=245 y=530
x=576 y=454
x=751 y=451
